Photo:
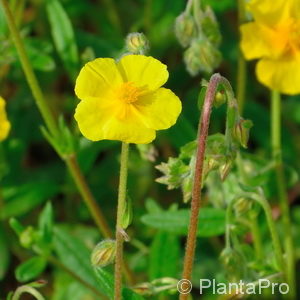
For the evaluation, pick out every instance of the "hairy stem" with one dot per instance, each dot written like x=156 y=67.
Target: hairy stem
x=282 y=191
x=215 y=80
x=119 y=229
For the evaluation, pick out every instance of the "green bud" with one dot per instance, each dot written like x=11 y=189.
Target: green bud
x=201 y=56
x=27 y=237
x=225 y=169
x=242 y=206
x=241 y=131
x=210 y=26
x=185 y=29
x=220 y=99
x=104 y=253
x=144 y=289
x=233 y=262
x=137 y=43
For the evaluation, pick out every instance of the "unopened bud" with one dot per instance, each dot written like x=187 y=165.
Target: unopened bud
x=233 y=262
x=201 y=56
x=220 y=99
x=210 y=26
x=225 y=168
x=185 y=29
x=104 y=253
x=242 y=206
x=241 y=131
x=27 y=237
x=137 y=43
x=144 y=289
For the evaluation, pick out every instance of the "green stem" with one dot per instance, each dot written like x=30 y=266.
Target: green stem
x=242 y=64
x=87 y=196
x=119 y=229
x=272 y=228
x=27 y=289
x=256 y=238
x=282 y=190
x=29 y=74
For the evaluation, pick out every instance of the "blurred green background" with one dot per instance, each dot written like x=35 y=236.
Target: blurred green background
x=33 y=174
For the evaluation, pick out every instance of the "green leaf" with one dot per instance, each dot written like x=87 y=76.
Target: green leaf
x=211 y=221
x=24 y=198
x=30 y=269
x=105 y=282
x=4 y=254
x=130 y=295
x=63 y=36
x=46 y=223
x=164 y=256
x=76 y=256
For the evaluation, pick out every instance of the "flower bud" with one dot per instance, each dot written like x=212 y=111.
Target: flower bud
x=144 y=289
x=185 y=29
x=27 y=237
x=233 y=262
x=104 y=253
x=241 y=131
x=137 y=43
x=210 y=26
x=220 y=99
x=201 y=56
x=225 y=168
x=242 y=206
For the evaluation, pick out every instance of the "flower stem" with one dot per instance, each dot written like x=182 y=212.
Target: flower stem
x=282 y=194
x=215 y=80
x=29 y=74
x=256 y=238
x=87 y=196
x=29 y=290
x=120 y=211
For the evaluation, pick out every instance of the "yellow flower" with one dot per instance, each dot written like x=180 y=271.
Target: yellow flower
x=124 y=100
x=274 y=38
x=4 y=123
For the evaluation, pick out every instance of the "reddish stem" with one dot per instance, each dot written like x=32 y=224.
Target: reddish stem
x=215 y=80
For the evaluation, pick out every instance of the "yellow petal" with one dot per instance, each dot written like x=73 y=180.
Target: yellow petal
x=97 y=78
x=280 y=75
x=144 y=71
x=98 y=121
x=253 y=43
x=158 y=110
x=128 y=131
x=4 y=123
x=272 y=12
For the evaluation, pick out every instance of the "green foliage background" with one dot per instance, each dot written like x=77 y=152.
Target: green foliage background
x=59 y=37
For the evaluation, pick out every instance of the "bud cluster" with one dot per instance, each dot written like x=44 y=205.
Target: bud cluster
x=199 y=33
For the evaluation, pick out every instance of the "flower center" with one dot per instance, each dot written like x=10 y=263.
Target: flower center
x=288 y=37
x=129 y=93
